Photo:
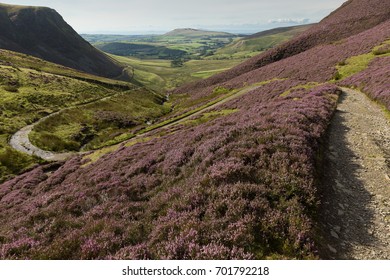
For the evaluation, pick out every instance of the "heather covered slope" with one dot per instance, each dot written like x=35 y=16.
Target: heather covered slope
x=351 y=18
x=43 y=33
x=237 y=182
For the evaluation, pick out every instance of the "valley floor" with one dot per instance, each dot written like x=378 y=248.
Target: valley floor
x=355 y=211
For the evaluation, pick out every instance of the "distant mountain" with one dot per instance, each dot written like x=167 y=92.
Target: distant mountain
x=190 y=32
x=261 y=41
x=43 y=33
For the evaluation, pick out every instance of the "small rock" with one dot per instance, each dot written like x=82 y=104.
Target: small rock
x=334 y=234
x=337 y=229
x=340 y=212
x=333 y=250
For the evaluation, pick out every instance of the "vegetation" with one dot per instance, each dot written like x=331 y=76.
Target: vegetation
x=238 y=180
x=253 y=45
x=31 y=89
x=160 y=75
x=94 y=124
x=142 y=51
x=356 y=64
x=185 y=44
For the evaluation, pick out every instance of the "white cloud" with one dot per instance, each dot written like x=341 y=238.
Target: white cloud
x=290 y=20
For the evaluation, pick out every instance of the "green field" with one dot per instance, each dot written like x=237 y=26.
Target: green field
x=184 y=44
x=160 y=75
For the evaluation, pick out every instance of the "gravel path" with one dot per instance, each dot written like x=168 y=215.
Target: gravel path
x=355 y=211
x=21 y=142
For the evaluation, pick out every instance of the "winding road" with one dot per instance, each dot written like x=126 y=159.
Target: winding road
x=20 y=140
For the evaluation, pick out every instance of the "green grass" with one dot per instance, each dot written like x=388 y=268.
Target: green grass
x=92 y=125
x=160 y=76
x=183 y=44
x=253 y=45
x=356 y=64
x=30 y=89
x=209 y=116
x=305 y=86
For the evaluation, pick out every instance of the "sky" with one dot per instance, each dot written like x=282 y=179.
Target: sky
x=158 y=16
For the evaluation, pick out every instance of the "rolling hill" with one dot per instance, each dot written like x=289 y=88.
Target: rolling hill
x=238 y=180
x=43 y=33
x=191 y=32
x=258 y=42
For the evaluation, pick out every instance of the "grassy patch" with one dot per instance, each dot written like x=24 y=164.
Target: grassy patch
x=30 y=89
x=209 y=116
x=356 y=64
x=305 y=86
x=93 y=125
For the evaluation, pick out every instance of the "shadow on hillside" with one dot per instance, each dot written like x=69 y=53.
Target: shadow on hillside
x=344 y=215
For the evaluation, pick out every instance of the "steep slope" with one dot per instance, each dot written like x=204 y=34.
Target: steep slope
x=238 y=182
x=291 y=30
x=353 y=17
x=43 y=33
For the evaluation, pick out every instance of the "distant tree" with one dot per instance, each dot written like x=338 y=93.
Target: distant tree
x=177 y=62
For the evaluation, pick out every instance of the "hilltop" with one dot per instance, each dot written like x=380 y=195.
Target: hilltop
x=231 y=172
x=42 y=32
x=191 y=32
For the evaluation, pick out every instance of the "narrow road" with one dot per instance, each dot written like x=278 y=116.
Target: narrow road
x=355 y=211
x=21 y=142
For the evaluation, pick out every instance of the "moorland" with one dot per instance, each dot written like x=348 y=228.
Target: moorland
x=195 y=145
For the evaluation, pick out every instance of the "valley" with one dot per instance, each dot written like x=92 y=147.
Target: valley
x=197 y=144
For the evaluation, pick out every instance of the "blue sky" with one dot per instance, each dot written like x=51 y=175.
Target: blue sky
x=140 y=16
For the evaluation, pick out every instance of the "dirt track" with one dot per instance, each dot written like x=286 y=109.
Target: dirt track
x=355 y=213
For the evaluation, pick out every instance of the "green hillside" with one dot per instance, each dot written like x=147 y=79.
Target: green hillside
x=31 y=88
x=249 y=46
